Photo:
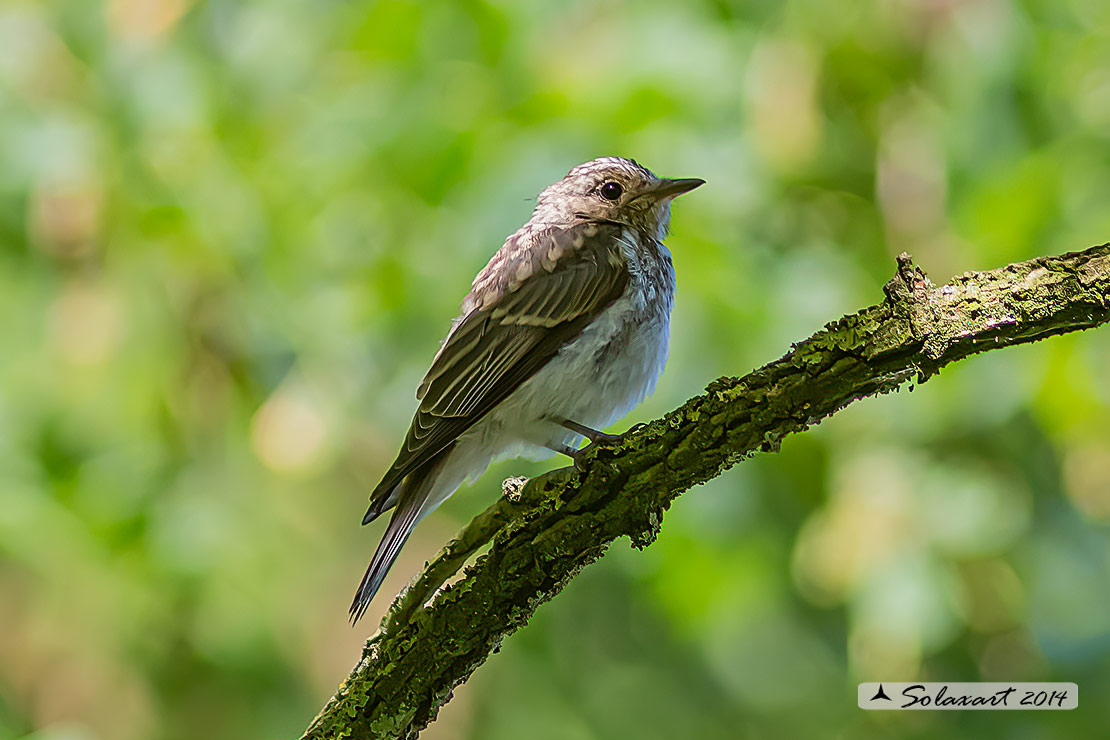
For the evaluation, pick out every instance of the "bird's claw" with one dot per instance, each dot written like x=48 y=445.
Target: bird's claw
x=607 y=440
x=612 y=440
x=597 y=439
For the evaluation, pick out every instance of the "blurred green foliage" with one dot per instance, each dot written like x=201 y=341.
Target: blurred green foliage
x=232 y=234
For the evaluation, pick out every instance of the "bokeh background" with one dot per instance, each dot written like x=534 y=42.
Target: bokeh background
x=232 y=235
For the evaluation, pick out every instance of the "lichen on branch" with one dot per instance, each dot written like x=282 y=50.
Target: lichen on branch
x=541 y=534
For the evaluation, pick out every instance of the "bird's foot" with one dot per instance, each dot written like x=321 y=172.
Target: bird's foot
x=598 y=438
x=603 y=439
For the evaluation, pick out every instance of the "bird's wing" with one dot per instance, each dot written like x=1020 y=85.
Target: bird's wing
x=536 y=294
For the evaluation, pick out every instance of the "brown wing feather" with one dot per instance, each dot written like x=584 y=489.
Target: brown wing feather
x=532 y=299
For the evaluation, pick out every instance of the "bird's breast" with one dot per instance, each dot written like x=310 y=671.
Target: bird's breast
x=601 y=374
x=617 y=359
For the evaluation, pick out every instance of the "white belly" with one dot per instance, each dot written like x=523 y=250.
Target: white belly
x=596 y=378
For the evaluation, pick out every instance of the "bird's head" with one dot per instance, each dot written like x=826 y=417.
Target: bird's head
x=612 y=189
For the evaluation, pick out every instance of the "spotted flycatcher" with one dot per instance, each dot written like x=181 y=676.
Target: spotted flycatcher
x=562 y=333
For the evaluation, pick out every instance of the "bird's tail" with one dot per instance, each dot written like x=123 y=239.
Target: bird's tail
x=411 y=505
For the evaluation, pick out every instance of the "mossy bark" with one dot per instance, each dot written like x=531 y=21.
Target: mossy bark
x=543 y=532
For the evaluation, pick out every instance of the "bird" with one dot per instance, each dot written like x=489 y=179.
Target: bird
x=563 y=332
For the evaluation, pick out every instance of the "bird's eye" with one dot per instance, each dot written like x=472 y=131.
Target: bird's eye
x=611 y=190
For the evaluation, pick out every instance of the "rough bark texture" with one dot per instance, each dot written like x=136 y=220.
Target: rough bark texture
x=545 y=530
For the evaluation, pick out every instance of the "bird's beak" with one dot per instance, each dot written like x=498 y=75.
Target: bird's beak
x=665 y=188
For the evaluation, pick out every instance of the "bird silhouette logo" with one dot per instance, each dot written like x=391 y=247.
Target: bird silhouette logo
x=880 y=694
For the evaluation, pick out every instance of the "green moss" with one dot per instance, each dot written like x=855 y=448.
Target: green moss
x=566 y=519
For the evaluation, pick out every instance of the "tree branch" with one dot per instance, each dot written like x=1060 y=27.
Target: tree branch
x=543 y=532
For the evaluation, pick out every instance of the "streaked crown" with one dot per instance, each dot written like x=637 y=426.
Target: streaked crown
x=612 y=189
